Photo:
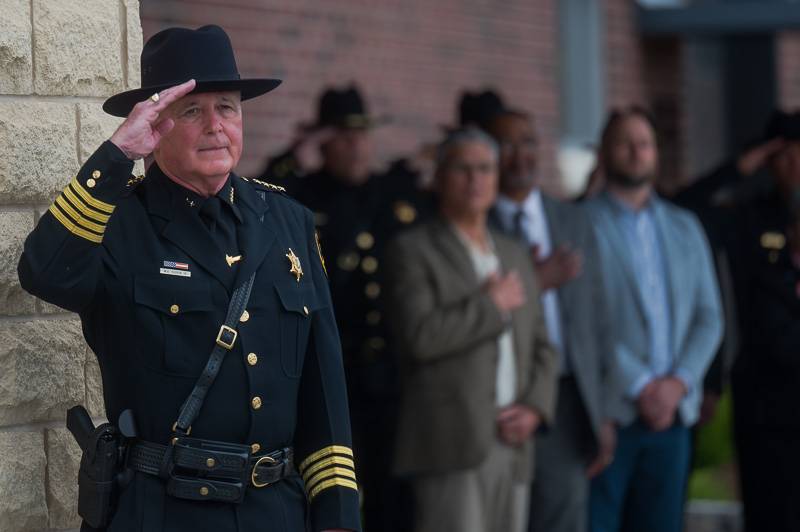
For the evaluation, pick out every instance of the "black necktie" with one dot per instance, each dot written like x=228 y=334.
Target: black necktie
x=518 y=228
x=221 y=224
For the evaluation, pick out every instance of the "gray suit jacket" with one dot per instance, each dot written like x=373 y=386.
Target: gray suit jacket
x=584 y=323
x=446 y=328
x=695 y=312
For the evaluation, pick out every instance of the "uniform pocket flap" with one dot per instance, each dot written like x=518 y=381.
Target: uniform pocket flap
x=296 y=299
x=173 y=296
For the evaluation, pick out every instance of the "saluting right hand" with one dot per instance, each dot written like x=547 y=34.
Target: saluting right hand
x=507 y=291
x=141 y=131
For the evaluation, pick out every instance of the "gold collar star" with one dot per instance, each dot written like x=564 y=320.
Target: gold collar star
x=296 y=269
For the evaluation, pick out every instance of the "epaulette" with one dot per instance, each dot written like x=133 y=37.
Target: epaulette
x=268 y=186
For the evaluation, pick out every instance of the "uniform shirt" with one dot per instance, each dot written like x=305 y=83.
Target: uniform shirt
x=643 y=239
x=486 y=263
x=528 y=220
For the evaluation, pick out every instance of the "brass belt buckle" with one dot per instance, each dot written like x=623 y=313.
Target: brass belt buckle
x=254 y=475
x=225 y=330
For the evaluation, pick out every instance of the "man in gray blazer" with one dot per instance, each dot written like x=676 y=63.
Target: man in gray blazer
x=666 y=325
x=564 y=250
x=479 y=375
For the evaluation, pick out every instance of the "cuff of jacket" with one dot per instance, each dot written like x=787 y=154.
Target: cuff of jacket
x=86 y=204
x=330 y=483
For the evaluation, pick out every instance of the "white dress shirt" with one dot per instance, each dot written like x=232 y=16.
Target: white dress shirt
x=536 y=233
x=485 y=264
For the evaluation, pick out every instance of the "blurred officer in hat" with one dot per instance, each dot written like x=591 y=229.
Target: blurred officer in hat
x=754 y=204
x=356 y=212
x=188 y=260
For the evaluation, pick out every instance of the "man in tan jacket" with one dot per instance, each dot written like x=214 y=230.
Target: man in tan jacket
x=479 y=376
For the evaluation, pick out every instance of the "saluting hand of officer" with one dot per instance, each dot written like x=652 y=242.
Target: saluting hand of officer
x=141 y=131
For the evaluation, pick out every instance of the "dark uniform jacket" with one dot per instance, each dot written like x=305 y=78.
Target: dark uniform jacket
x=152 y=289
x=767 y=283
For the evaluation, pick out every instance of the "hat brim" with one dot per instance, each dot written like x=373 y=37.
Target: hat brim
x=121 y=104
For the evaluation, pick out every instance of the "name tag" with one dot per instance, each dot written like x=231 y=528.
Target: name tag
x=179 y=273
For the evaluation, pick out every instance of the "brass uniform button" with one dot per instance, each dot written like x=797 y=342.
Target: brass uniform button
x=254 y=448
x=91 y=183
x=405 y=212
x=373 y=317
x=365 y=240
x=245 y=316
x=252 y=359
x=376 y=343
x=204 y=491
x=96 y=174
x=256 y=402
x=174 y=309
x=211 y=462
x=372 y=290
x=347 y=261
x=369 y=265
x=305 y=309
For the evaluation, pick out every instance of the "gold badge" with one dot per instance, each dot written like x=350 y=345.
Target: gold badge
x=296 y=269
x=231 y=260
x=319 y=250
x=405 y=212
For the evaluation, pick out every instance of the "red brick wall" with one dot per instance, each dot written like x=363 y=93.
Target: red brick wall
x=411 y=59
x=787 y=47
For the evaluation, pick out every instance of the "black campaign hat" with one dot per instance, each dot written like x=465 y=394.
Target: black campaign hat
x=176 y=55
x=344 y=108
x=479 y=108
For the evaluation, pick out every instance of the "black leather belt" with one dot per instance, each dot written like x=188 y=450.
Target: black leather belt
x=207 y=470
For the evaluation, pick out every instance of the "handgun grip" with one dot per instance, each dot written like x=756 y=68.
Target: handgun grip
x=79 y=423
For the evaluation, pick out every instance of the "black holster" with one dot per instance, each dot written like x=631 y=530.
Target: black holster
x=100 y=468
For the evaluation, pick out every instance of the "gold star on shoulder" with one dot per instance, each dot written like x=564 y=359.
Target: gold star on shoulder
x=268 y=185
x=296 y=269
x=135 y=180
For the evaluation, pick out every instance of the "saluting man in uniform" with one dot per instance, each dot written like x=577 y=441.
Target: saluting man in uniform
x=357 y=211
x=151 y=264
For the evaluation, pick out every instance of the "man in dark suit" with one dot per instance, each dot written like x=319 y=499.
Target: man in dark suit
x=580 y=441
x=151 y=263
x=479 y=375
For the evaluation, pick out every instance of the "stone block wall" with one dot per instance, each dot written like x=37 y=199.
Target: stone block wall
x=58 y=61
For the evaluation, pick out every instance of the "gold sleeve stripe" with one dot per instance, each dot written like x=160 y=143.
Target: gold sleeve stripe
x=72 y=228
x=325 y=451
x=330 y=483
x=96 y=203
x=328 y=462
x=80 y=220
x=328 y=473
x=81 y=206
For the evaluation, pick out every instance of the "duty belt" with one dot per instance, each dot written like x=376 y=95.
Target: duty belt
x=209 y=470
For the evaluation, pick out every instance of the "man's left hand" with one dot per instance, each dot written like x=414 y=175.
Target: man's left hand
x=516 y=423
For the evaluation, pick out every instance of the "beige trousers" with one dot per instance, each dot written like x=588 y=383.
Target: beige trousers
x=483 y=499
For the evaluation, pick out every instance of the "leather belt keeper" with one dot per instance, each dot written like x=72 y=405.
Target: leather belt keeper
x=211 y=470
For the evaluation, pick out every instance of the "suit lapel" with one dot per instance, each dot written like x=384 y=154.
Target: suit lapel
x=521 y=319
x=183 y=226
x=453 y=250
x=255 y=234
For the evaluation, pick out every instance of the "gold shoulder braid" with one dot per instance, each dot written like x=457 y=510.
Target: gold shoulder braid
x=319 y=250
